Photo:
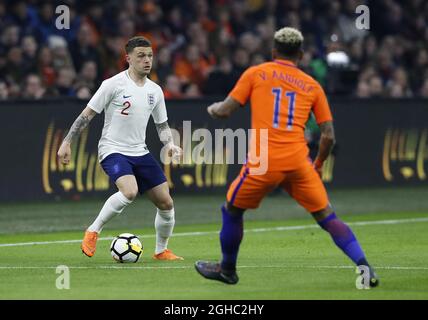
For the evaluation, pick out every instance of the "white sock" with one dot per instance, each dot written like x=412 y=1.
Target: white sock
x=112 y=207
x=164 y=224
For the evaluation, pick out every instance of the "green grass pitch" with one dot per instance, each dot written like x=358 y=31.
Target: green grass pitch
x=284 y=254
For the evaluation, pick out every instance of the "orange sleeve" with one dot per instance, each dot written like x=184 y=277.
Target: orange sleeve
x=242 y=90
x=321 y=107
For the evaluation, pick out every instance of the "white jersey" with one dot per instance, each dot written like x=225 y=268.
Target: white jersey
x=127 y=109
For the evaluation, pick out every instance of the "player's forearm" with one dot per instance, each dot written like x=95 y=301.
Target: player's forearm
x=224 y=109
x=327 y=141
x=78 y=126
x=325 y=147
x=164 y=132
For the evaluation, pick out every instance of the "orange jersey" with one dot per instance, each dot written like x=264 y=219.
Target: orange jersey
x=282 y=98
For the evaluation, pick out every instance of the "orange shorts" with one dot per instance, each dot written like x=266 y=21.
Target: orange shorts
x=303 y=184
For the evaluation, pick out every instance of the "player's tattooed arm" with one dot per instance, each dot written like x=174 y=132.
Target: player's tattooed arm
x=82 y=121
x=327 y=141
x=223 y=109
x=79 y=124
x=164 y=132
x=165 y=135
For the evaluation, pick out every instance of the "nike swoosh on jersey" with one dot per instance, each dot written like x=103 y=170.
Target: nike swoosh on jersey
x=124 y=97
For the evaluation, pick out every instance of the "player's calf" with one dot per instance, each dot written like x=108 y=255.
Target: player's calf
x=345 y=239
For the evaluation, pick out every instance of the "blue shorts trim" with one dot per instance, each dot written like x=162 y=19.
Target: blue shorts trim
x=146 y=169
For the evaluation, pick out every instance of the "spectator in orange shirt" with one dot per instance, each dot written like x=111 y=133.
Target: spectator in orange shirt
x=172 y=89
x=192 y=67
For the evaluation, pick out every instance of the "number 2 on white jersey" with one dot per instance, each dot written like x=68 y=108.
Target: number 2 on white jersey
x=277 y=105
x=125 y=111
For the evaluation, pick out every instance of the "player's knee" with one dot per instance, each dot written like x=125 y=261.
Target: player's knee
x=130 y=193
x=234 y=210
x=165 y=204
x=322 y=214
x=327 y=210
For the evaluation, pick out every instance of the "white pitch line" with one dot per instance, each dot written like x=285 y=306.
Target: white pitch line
x=120 y=267
x=203 y=233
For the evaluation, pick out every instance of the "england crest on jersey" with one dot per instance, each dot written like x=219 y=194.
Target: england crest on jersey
x=151 y=99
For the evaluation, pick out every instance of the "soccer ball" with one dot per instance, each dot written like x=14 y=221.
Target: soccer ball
x=126 y=247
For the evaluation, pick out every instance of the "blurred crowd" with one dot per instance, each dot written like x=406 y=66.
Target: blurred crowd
x=202 y=46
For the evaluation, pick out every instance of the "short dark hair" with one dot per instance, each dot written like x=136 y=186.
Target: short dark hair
x=138 y=41
x=286 y=49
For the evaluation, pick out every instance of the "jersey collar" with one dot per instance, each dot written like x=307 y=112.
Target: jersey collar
x=130 y=79
x=285 y=63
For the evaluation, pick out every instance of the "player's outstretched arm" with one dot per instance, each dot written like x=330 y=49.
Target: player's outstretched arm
x=326 y=143
x=165 y=136
x=223 y=109
x=82 y=121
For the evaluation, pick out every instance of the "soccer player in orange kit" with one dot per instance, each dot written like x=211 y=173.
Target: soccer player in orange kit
x=282 y=98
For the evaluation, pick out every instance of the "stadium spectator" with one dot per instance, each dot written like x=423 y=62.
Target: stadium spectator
x=175 y=22
x=94 y=16
x=2 y=15
x=250 y=43
x=13 y=65
x=370 y=47
x=172 y=88
x=111 y=51
x=424 y=89
x=398 y=85
x=83 y=92
x=201 y=12
x=24 y=16
x=417 y=76
x=191 y=91
x=4 y=92
x=33 y=87
x=64 y=82
x=221 y=79
x=163 y=64
x=46 y=18
x=264 y=31
x=241 y=60
x=9 y=38
x=192 y=67
x=257 y=59
x=45 y=66
x=363 y=90
x=61 y=57
x=222 y=38
x=376 y=87
x=83 y=47
x=29 y=51
x=88 y=76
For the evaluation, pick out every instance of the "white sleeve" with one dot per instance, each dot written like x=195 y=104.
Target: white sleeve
x=102 y=98
x=159 y=111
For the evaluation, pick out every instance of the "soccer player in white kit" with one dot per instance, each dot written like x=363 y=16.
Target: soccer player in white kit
x=128 y=99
